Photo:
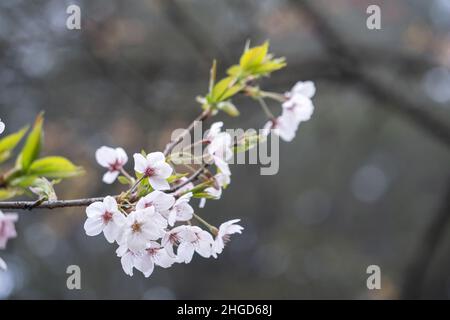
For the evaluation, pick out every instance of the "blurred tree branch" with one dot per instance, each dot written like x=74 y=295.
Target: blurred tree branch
x=408 y=107
x=354 y=68
x=427 y=246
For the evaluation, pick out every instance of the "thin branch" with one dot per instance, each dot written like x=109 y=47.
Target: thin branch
x=29 y=205
x=194 y=177
x=169 y=147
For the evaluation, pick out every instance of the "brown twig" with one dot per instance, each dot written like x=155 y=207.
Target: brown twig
x=29 y=205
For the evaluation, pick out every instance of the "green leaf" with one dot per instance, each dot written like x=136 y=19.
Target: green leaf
x=175 y=177
x=254 y=56
x=124 y=180
x=234 y=71
x=225 y=89
x=54 y=167
x=200 y=195
x=183 y=157
x=229 y=108
x=23 y=181
x=33 y=144
x=248 y=141
x=269 y=66
x=10 y=193
x=8 y=143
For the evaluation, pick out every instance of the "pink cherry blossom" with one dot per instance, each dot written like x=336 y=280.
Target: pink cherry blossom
x=7 y=228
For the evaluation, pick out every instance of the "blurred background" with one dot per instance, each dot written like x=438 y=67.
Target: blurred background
x=365 y=182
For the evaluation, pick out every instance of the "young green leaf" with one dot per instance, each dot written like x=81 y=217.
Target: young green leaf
x=8 y=143
x=54 y=167
x=254 y=56
x=248 y=141
x=124 y=180
x=44 y=189
x=32 y=147
x=9 y=193
x=225 y=89
x=175 y=177
x=268 y=67
x=229 y=108
x=22 y=181
x=234 y=71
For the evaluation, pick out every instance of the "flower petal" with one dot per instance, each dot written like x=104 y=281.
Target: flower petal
x=140 y=163
x=158 y=183
x=155 y=157
x=110 y=176
x=95 y=209
x=105 y=156
x=94 y=226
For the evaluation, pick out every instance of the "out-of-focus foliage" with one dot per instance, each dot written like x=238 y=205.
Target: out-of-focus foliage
x=29 y=170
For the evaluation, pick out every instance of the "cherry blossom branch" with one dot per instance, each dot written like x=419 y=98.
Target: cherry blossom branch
x=84 y=202
x=192 y=178
x=169 y=147
x=29 y=205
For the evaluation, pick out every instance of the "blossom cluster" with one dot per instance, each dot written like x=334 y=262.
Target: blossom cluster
x=297 y=108
x=157 y=228
x=152 y=223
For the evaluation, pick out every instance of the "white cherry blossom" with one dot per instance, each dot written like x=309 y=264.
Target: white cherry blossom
x=113 y=160
x=304 y=88
x=219 y=149
x=299 y=107
x=127 y=259
x=141 y=227
x=3 y=265
x=226 y=229
x=157 y=199
x=104 y=217
x=190 y=239
x=154 y=254
x=284 y=126
x=2 y=126
x=214 y=131
x=154 y=167
x=221 y=180
x=181 y=210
